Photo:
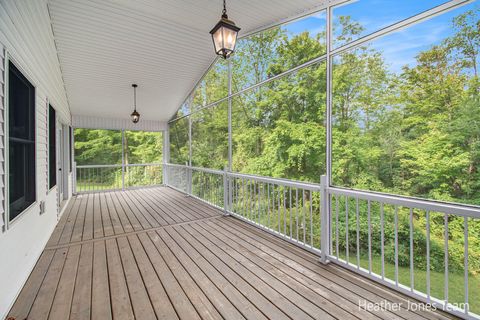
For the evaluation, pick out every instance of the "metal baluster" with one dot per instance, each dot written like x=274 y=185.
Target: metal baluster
x=278 y=211
x=296 y=212
x=268 y=205
x=212 y=194
x=369 y=237
x=256 y=190
x=250 y=202
x=358 y=232
x=396 y=246
x=320 y=213
x=235 y=195
x=446 y=259
x=254 y=201
x=382 y=236
x=290 y=210
x=336 y=226
x=346 y=230
x=330 y=234
x=260 y=202
x=304 y=220
x=247 y=198
x=311 y=218
x=284 y=211
x=412 y=277
x=243 y=197
x=428 y=256
x=209 y=196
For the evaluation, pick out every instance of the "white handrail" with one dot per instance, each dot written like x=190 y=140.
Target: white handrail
x=283 y=182
x=144 y=165
x=99 y=166
x=435 y=206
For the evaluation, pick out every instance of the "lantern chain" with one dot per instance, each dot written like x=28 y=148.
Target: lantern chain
x=224 y=11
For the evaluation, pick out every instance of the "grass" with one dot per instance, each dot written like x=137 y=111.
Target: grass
x=456 y=291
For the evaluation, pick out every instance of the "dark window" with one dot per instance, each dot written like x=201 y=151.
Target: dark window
x=70 y=152
x=21 y=142
x=52 y=154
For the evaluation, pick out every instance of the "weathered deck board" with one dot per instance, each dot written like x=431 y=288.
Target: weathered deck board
x=157 y=254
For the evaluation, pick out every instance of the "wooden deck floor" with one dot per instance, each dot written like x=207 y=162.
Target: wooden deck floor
x=156 y=254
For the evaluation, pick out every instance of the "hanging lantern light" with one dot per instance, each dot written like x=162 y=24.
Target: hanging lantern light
x=224 y=35
x=135 y=115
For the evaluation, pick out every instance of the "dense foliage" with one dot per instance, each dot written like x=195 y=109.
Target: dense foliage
x=104 y=147
x=413 y=131
x=98 y=147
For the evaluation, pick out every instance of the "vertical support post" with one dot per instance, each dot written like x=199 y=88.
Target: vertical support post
x=164 y=174
x=226 y=192
x=328 y=111
x=190 y=140
x=74 y=178
x=189 y=179
x=230 y=149
x=123 y=160
x=166 y=154
x=229 y=115
x=325 y=179
x=325 y=220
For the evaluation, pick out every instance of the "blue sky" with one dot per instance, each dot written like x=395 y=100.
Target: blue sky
x=398 y=48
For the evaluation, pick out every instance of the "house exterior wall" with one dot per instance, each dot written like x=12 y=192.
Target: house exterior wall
x=27 y=40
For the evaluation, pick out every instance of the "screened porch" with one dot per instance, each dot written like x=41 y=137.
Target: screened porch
x=314 y=159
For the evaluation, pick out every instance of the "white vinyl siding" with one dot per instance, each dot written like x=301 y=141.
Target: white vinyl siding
x=27 y=40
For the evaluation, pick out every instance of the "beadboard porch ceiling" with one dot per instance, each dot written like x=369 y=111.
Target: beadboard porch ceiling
x=162 y=45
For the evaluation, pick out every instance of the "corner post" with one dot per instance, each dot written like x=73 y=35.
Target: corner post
x=166 y=155
x=325 y=220
x=189 y=178
x=226 y=192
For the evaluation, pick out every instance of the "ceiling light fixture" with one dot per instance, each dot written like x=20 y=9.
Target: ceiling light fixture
x=135 y=115
x=224 y=35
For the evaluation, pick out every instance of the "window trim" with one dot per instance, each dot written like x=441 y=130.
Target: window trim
x=48 y=105
x=8 y=58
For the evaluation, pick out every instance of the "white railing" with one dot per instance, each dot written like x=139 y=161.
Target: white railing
x=176 y=177
x=289 y=209
x=93 y=178
x=384 y=237
x=391 y=240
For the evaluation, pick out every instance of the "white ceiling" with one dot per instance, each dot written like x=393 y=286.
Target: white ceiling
x=162 y=45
